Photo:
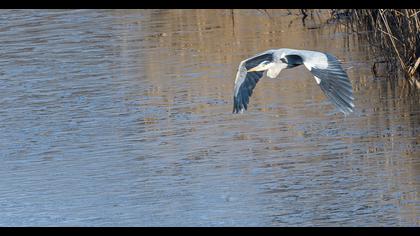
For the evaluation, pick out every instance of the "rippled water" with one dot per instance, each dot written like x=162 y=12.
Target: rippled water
x=123 y=118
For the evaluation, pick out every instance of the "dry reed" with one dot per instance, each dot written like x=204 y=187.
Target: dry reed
x=394 y=32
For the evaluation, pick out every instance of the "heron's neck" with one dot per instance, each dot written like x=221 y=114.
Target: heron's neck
x=275 y=70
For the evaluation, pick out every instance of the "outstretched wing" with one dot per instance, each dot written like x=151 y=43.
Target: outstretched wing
x=332 y=79
x=245 y=82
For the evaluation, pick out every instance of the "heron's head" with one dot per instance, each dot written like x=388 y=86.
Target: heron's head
x=264 y=65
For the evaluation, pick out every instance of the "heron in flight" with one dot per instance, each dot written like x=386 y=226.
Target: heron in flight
x=325 y=68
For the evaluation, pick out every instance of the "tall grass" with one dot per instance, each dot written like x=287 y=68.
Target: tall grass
x=395 y=33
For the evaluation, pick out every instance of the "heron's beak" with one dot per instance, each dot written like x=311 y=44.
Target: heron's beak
x=254 y=69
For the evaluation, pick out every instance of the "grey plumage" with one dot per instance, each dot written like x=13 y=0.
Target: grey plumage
x=327 y=71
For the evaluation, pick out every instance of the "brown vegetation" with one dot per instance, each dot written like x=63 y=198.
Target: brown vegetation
x=393 y=33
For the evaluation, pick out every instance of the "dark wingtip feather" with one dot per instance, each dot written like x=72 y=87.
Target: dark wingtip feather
x=335 y=84
x=342 y=101
x=238 y=105
x=241 y=99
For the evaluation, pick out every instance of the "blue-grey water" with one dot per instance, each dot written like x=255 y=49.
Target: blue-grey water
x=123 y=118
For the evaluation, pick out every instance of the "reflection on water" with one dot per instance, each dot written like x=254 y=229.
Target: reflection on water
x=123 y=117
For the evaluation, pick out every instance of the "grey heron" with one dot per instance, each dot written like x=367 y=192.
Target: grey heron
x=325 y=68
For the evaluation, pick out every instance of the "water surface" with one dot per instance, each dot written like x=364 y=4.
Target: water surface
x=123 y=118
